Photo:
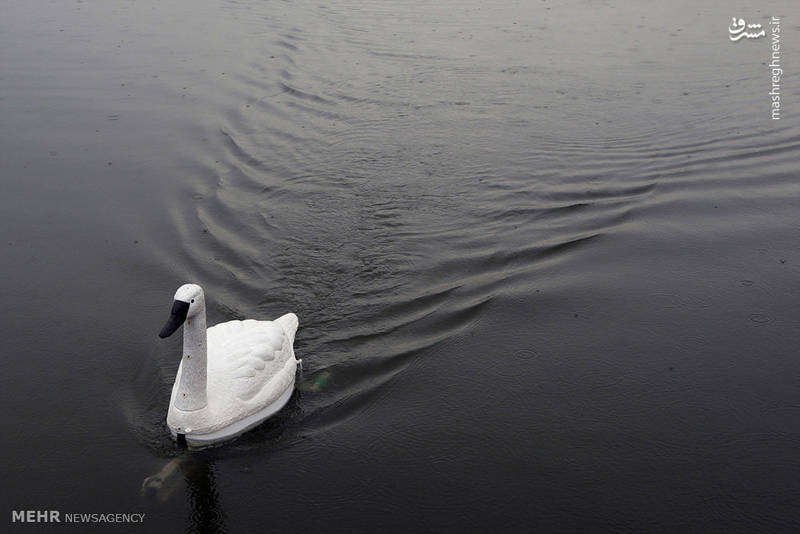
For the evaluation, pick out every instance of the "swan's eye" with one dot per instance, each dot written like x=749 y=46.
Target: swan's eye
x=192 y=301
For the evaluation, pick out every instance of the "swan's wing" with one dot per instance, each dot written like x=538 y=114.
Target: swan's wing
x=244 y=355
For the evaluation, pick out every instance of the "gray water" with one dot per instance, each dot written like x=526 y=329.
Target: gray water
x=544 y=255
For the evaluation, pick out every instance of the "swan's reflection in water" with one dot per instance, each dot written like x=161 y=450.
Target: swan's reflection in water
x=197 y=470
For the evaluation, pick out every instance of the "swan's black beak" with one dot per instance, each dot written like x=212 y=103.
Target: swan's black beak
x=176 y=318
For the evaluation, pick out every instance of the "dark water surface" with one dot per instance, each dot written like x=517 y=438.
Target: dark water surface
x=544 y=255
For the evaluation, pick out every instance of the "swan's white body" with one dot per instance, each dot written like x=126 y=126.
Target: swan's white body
x=232 y=376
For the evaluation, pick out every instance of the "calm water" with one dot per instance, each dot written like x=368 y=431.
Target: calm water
x=545 y=258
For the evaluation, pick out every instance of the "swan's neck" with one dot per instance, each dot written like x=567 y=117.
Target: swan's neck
x=191 y=394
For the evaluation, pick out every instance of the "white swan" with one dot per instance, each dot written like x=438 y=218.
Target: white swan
x=232 y=376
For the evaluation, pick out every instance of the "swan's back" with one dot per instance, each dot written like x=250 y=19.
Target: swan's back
x=244 y=355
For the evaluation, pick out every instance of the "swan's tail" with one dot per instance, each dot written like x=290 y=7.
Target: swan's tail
x=289 y=322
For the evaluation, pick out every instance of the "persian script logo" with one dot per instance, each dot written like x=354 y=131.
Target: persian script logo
x=738 y=27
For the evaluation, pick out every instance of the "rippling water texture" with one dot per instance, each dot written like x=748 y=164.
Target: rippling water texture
x=544 y=254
